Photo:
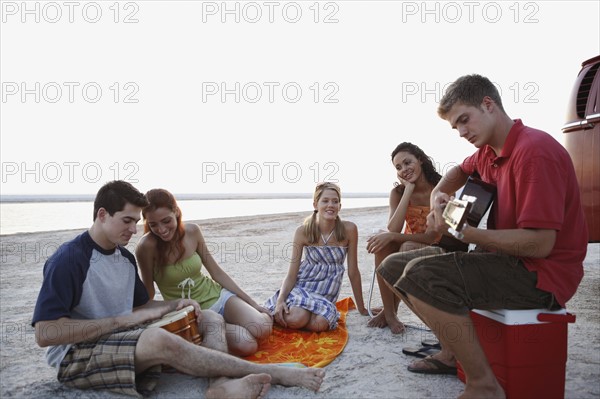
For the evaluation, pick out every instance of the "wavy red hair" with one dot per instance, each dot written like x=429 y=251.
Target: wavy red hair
x=161 y=198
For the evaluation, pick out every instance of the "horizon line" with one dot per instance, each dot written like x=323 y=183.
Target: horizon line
x=21 y=198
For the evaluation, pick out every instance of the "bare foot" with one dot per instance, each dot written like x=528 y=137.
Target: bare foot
x=488 y=391
x=252 y=386
x=444 y=357
x=377 y=321
x=381 y=321
x=376 y=310
x=309 y=377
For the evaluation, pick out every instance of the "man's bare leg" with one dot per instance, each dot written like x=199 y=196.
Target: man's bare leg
x=481 y=381
x=157 y=346
x=253 y=386
x=444 y=355
x=213 y=330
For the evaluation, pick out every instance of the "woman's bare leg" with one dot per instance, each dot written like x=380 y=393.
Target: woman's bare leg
x=388 y=316
x=246 y=327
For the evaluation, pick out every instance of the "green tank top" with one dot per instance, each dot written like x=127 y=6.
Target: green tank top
x=176 y=281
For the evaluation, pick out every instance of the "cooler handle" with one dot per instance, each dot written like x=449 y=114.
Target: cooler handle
x=556 y=318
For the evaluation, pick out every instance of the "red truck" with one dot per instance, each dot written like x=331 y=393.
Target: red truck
x=582 y=140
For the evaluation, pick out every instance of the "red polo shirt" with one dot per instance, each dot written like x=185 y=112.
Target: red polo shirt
x=537 y=188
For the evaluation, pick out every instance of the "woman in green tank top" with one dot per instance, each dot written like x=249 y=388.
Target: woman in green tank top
x=171 y=254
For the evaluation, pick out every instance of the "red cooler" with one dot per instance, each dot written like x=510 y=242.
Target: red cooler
x=527 y=350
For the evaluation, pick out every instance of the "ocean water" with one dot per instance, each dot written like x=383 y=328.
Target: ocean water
x=37 y=216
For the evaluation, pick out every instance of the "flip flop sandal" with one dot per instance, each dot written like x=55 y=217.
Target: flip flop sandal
x=439 y=367
x=434 y=343
x=420 y=352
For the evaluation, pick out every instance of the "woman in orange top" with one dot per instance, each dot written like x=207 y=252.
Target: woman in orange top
x=409 y=203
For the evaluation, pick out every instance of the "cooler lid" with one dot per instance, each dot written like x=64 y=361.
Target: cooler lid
x=510 y=317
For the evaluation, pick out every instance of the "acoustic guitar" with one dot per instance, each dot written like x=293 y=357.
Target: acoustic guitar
x=475 y=199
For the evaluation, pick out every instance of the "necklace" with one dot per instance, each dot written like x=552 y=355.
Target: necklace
x=328 y=237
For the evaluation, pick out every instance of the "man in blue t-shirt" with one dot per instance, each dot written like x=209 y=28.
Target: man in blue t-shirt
x=92 y=304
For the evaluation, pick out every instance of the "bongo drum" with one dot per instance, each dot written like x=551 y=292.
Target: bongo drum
x=181 y=322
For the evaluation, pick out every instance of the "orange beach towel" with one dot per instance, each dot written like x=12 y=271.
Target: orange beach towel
x=309 y=348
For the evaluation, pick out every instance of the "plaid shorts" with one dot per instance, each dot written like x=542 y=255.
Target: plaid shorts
x=109 y=364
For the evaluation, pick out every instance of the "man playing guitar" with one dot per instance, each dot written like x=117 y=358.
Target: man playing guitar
x=531 y=254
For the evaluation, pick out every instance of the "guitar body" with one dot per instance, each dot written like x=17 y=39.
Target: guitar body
x=456 y=212
x=475 y=199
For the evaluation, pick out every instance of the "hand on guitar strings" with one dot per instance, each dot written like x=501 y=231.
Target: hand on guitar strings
x=435 y=219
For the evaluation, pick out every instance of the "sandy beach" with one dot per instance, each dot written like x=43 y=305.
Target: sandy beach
x=255 y=252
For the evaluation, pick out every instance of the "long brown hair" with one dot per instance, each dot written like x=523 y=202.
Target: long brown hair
x=160 y=198
x=431 y=175
x=311 y=229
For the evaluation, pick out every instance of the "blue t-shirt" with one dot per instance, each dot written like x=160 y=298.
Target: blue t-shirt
x=84 y=281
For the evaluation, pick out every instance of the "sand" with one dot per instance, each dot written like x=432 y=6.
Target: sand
x=255 y=252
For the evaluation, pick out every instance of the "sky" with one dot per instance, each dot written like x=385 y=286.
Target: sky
x=265 y=96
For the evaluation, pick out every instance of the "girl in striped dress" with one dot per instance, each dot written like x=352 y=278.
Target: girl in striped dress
x=309 y=292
